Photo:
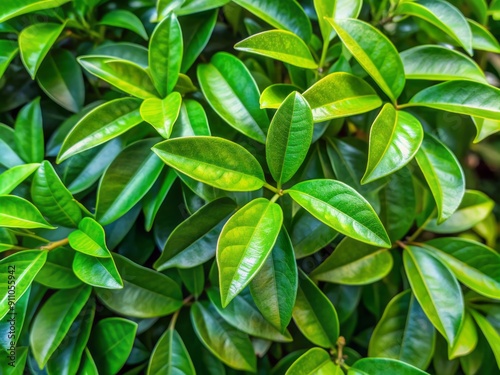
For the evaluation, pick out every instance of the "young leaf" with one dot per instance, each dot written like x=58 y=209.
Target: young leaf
x=395 y=138
x=443 y=174
x=279 y=45
x=214 y=161
x=16 y=212
x=14 y=176
x=351 y=96
x=232 y=92
x=315 y=361
x=342 y=208
x=28 y=132
x=354 y=263
x=170 y=356
x=383 y=366
x=490 y=332
x=162 y=113
x=482 y=39
x=289 y=138
x=376 y=54
x=35 y=42
x=274 y=95
x=244 y=245
x=98 y=272
x=437 y=291
x=89 y=239
x=485 y=127
x=165 y=54
x=10 y=10
x=338 y=9
x=8 y=50
x=126 y=20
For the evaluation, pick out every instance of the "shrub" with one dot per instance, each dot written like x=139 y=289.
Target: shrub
x=262 y=186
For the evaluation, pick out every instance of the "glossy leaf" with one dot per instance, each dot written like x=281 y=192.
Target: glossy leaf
x=57 y=271
x=245 y=243
x=375 y=53
x=35 y=42
x=14 y=321
x=338 y=9
x=315 y=361
x=54 y=320
x=214 y=161
x=194 y=241
x=309 y=234
x=342 y=208
x=156 y=195
x=8 y=149
x=127 y=180
x=232 y=92
x=192 y=120
x=126 y=20
x=16 y=212
x=170 y=356
x=12 y=177
x=482 y=39
x=162 y=114
x=490 y=332
x=100 y=125
x=9 y=10
x=165 y=54
x=436 y=290
x=274 y=288
x=404 y=333
x=98 y=272
x=28 y=132
x=228 y=344
x=395 y=138
x=351 y=96
x=473 y=263
x=274 y=95
x=467 y=338
x=89 y=239
x=8 y=51
x=443 y=174
x=354 y=263
x=382 y=366
x=485 y=127
x=315 y=315
x=280 y=45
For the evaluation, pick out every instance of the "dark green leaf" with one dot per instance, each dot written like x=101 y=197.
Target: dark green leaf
x=170 y=356
x=383 y=366
x=8 y=50
x=57 y=272
x=29 y=132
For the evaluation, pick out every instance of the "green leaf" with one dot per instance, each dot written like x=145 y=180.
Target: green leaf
x=35 y=42
x=436 y=290
x=244 y=245
x=404 y=333
x=111 y=342
x=89 y=239
x=467 y=338
x=193 y=279
x=338 y=9
x=192 y=120
x=53 y=199
x=383 y=366
x=354 y=263
x=490 y=332
x=242 y=314
x=351 y=96
x=443 y=174
x=165 y=54
x=8 y=149
x=87 y=366
x=228 y=344
x=156 y=196
x=165 y=7
x=482 y=39
x=196 y=6
x=342 y=208
x=279 y=45
x=123 y=74
x=465 y=97
x=315 y=315
x=194 y=241
x=395 y=138
x=127 y=180
x=8 y=50
x=14 y=176
x=474 y=208
x=10 y=10
x=60 y=77
x=162 y=114
x=485 y=127
x=289 y=138
x=315 y=361
x=170 y=356
x=98 y=272
x=54 y=320
x=274 y=288
x=100 y=125
x=16 y=212
x=274 y=95
x=436 y=63
x=214 y=161
x=57 y=272
x=231 y=91
x=125 y=20
x=124 y=51
x=374 y=52
x=28 y=132
x=473 y=263
x=309 y=234
x=444 y=16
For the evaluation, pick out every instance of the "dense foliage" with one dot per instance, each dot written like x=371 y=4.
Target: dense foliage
x=271 y=186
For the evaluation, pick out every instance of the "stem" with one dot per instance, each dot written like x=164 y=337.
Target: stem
x=272 y=188
x=340 y=355
x=324 y=52
x=55 y=244
x=275 y=198
x=174 y=319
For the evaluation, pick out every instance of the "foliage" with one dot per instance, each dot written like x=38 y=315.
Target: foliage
x=281 y=187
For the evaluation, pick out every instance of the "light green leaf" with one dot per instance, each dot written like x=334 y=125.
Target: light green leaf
x=289 y=138
x=354 y=263
x=485 y=127
x=100 y=125
x=192 y=120
x=89 y=239
x=98 y=272
x=467 y=338
x=35 y=42
x=125 y=20
x=244 y=245
x=10 y=10
x=482 y=39
x=8 y=50
x=383 y=366
x=28 y=132
x=57 y=272
x=443 y=174
x=279 y=45
x=337 y=9
x=443 y=15
x=165 y=54
x=395 y=138
x=170 y=356
x=315 y=361
x=274 y=95
x=165 y=7
x=342 y=208
x=376 y=54
x=351 y=96
x=14 y=176
x=232 y=92
x=16 y=212
x=437 y=291
x=196 y=6
x=473 y=263
x=162 y=113
x=490 y=332
x=214 y=161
